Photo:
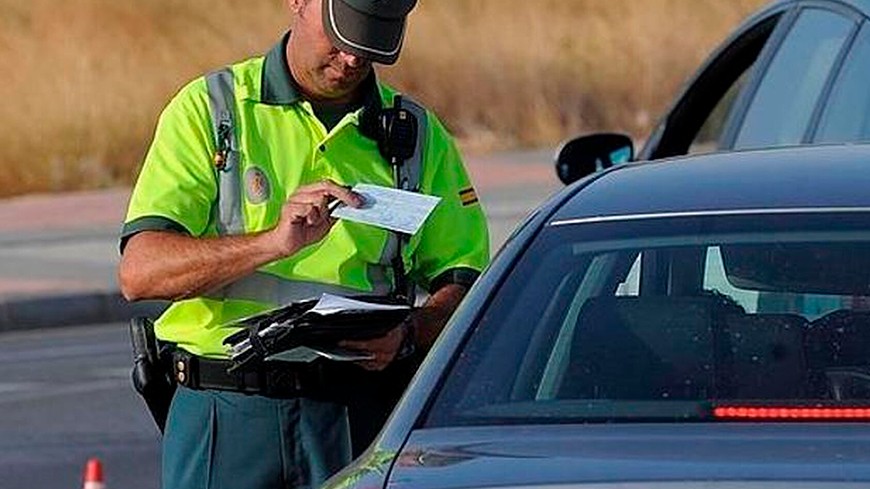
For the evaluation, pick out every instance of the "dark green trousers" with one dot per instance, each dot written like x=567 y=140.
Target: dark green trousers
x=216 y=440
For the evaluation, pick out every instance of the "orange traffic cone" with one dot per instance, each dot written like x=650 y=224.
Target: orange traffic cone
x=94 y=475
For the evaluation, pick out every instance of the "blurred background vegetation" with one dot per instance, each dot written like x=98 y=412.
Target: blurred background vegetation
x=85 y=80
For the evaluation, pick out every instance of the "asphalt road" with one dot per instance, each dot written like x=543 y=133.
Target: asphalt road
x=66 y=396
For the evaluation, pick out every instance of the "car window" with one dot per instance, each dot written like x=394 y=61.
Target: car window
x=666 y=321
x=697 y=121
x=847 y=116
x=782 y=107
x=711 y=132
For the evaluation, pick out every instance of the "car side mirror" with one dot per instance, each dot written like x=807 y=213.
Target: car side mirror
x=586 y=155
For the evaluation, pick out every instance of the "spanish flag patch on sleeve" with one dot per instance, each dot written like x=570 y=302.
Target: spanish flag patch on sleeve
x=468 y=196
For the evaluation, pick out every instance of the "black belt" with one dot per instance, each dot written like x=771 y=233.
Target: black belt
x=279 y=379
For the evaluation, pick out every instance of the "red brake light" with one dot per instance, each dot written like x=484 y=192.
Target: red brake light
x=791 y=413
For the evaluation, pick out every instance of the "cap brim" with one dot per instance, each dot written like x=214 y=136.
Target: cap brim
x=375 y=38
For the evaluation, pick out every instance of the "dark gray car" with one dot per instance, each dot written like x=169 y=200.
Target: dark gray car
x=691 y=322
x=703 y=320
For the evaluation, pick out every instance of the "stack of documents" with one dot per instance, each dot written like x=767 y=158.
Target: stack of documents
x=305 y=331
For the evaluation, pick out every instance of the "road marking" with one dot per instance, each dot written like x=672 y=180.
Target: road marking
x=6 y=387
x=58 y=352
x=47 y=390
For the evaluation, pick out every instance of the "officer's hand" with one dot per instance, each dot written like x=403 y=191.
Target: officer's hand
x=384 y=348
x=305 y=217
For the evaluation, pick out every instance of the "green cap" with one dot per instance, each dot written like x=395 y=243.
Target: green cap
x=371 y=29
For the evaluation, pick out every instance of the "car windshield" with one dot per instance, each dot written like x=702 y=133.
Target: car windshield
x=670 y=318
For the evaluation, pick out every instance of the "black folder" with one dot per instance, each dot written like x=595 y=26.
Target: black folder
x=299 y=324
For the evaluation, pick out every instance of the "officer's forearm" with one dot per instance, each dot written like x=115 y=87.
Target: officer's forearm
x=166 y=265
x=430 y=319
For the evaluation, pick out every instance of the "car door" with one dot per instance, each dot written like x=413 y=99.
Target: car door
x=783 y=107
x=765 y=87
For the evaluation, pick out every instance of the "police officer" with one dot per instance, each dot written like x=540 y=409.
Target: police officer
x=229 y=220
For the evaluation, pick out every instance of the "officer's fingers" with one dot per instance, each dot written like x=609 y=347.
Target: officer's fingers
x=389 y=343
x=319 y=199
x=376 y=360
x=378 y=357
x=375 y=346
x=319 y=217
x=383 y=349
x=307 y=215
x=361 y=346
x=373 y=365
x=342 y=193
x=370 y=366
x=313 y=214
x=296 y=212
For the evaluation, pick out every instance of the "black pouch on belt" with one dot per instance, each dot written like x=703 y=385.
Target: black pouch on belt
x=151 y=374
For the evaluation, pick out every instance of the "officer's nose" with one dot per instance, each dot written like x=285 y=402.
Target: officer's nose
x=351 y=60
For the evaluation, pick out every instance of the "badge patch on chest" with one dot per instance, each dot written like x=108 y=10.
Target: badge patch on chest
x=256 y=185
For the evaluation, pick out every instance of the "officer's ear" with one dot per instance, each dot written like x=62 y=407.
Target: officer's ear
x=296 y=6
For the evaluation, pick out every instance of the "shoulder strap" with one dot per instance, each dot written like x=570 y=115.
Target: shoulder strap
x=409 y=176
x=221 y=96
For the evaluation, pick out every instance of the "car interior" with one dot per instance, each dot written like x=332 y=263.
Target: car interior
x=688 y=342
x=686 y=348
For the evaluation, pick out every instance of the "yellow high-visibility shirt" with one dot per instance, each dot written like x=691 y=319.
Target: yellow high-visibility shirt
x=283 y=146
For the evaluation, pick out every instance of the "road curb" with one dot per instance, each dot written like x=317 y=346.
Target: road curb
x=20 y=314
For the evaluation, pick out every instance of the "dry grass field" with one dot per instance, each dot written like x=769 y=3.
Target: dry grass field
x=84 y=80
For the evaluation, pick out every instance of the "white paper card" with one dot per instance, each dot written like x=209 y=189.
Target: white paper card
x=305 y=354
x=389 y=208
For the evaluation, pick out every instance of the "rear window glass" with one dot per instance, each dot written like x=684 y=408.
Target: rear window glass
x=666 y=319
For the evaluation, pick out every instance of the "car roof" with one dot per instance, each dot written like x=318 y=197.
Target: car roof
x=862 y=5
x=834 y=176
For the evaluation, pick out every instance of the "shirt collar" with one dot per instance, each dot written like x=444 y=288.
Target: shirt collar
x=279 y=88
